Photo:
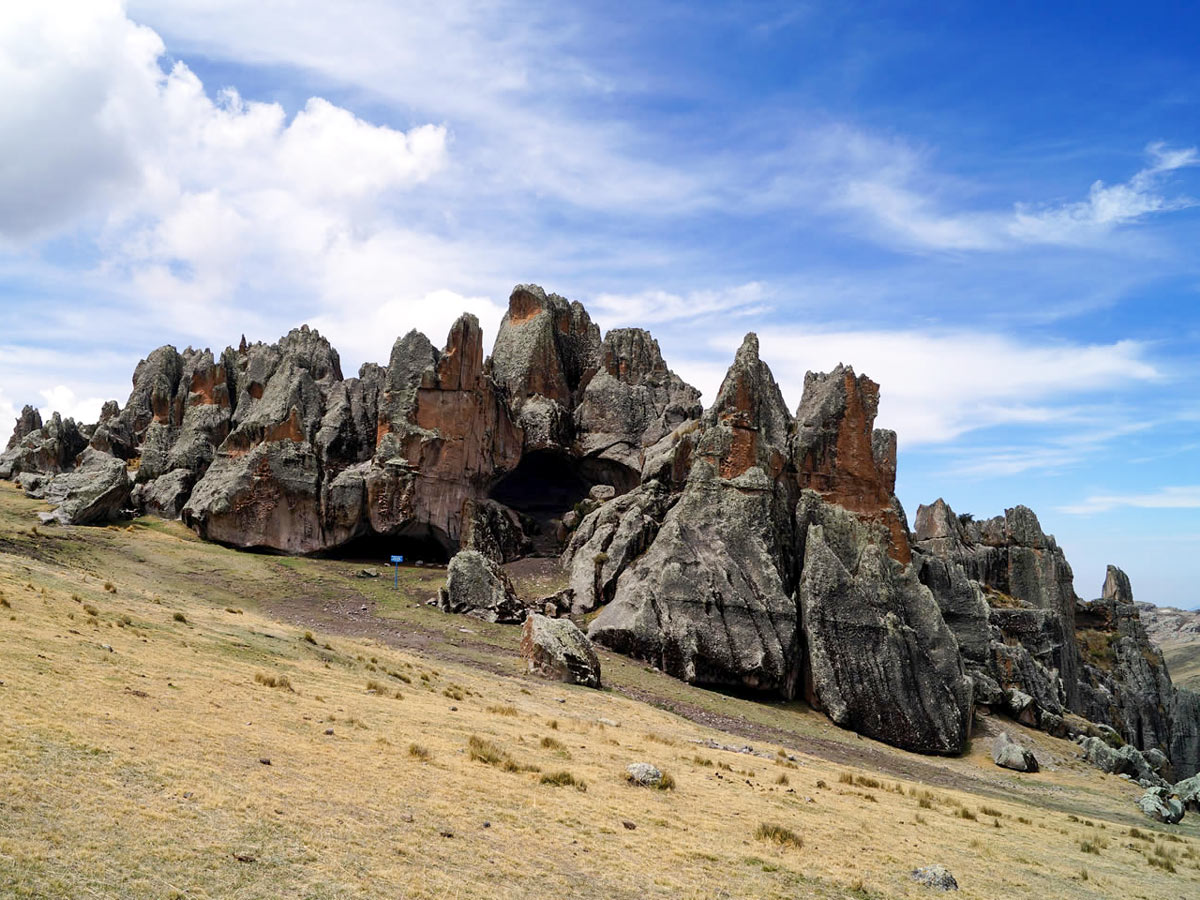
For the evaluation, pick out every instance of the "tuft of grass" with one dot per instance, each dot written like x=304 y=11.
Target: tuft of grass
x=564 y=779
x=550 y=743
x=233 y=611
x=504 y=710
x=866 y=781
x=180 y=617
x=485 y=751
x=964 y=813
x=274 y=681
x=308 y=638
x=782 y=779
x=821 y=784
x=925 y=803
x=373 y=685
x=1024 y=821
x=991 y=811
x=110 y=587
x=778 y=834
x=667 y=783
x=846 y=778
x=4 y=602
x=90 y=610
x=416 y=751
x=453 y=693
x=1092 y=845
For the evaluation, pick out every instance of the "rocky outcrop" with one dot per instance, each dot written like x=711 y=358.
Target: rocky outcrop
x=1188 y=792
x=48 y=450
x=556 y=648
x=494 y=530
x=632 y=402
x=94 y=491
x=712 y=599
x=1008 y=754
x=1184 y=751
x=882 y=660
x=477 y=586
x=29 y=421
x=1123 y=760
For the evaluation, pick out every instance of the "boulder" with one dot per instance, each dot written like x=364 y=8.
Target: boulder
x=556 y=648
x=494 y=530
x=477 y=586
x=1008 y=754
x=95 y=491
x=1188 y=792
x=1125 y=760
x=643 y=774
x=165 y=496
x=1160 y=804
x=936 y=877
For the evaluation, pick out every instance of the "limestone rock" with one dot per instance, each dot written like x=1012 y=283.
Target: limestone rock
x=1008 y=754
x=1184 y=751
x=643 y=774
x=1158 y=803
x=882 y=660
x=1125 y=760
x=494 y=530
x=95 y=491
x=556 y=648
x=478 y=587
x=936 y=877
x=711 y=600
x=1188 y=792
x=165 y=496
x=29 y=421
x=48 y=450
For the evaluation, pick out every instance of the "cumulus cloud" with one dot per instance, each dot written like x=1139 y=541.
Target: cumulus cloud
x=1175 y=497
x=938 y=386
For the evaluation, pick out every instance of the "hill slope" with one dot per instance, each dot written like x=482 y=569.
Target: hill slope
x=136 y=667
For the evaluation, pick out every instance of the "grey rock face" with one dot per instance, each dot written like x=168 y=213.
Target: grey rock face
x=1188 y=792
x=556 y=648
x=165 y=496
x=1008 y=754
x=29 y=421
x=609 y=539
x=882 y=659
x=478 y=587
x=936 y=877
x=632 y=402
x=95 y=491
x=47 y=450
x=711 y=600
x=1125 y=760
x=1184 y=751
x=1159 y=804
x=494 y=530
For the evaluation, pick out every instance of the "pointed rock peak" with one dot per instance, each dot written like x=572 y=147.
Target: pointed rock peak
x=937 y=520
x=1022 y=528
x=1116 y=586
x=242 y=347
x=748 y=352
x=632 y=355
x=28 y=422
x=526 y=301
x=411 y=355
x=306 y=348
x=460 y=364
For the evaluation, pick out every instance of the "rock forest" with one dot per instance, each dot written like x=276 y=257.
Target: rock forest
x=745 y=547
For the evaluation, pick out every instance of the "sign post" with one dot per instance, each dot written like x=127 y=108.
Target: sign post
x=396 y=560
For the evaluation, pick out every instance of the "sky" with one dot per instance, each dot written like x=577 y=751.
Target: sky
x=990 y=209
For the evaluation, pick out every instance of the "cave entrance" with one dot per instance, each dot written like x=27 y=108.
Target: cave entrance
x=543 y=487
x=417 y=543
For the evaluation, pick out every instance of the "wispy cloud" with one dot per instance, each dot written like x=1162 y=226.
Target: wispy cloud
x=1176 y=497
x=657 y=306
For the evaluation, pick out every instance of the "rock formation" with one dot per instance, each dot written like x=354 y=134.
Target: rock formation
x=739 y=546
x=556 y=648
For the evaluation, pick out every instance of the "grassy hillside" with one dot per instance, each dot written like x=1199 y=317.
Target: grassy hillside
x=1183 y=662
x=182 y=720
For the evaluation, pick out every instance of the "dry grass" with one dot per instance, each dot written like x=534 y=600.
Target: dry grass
x=778 y=834
x=136 y=773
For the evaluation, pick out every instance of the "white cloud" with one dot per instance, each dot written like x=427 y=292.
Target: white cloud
x=63 y=400
x=1176 y=497
x=8 y=416
x=936 y=386
x=655 y=306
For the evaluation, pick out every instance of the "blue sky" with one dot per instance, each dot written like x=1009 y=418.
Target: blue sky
x=991 y=209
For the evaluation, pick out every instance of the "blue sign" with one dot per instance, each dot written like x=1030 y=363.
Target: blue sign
x=397 y=559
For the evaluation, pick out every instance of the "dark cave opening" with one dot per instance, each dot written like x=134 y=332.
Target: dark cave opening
x=417 y=543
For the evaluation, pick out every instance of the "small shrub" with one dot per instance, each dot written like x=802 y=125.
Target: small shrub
x=110 y=587
x=308 y=638
x=180 y=617
x=564 y=779
x=274 y=681
x=418 y=752
x=777 y=834
x=600 y=558
x=821 y=784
